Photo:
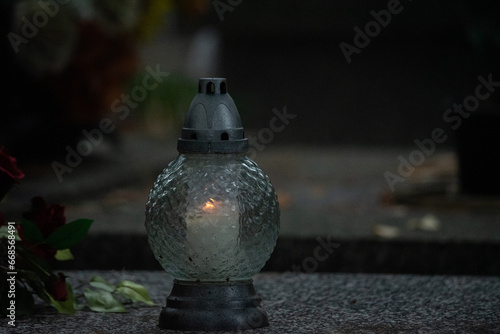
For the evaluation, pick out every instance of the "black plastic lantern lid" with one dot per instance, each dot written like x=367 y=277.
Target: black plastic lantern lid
x=213 y=124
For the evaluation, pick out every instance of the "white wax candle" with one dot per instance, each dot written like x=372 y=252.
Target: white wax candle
x=212 y=234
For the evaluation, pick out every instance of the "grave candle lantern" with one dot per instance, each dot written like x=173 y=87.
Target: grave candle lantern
x=212 y=220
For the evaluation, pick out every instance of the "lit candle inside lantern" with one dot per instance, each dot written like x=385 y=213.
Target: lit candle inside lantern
x=209 y=206
x=212 y=234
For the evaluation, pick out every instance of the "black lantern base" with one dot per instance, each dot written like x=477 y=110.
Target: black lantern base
x=213 y=306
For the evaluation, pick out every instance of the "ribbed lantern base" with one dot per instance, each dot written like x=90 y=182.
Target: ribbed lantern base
x=213 y=306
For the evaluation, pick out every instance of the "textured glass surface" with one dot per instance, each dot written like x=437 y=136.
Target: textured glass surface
x=212 y=217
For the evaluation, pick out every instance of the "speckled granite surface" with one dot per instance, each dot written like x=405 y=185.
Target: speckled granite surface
x=315 y=303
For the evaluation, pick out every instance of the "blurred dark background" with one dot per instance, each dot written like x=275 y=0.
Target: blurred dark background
x=394 y=91
x=274 y=54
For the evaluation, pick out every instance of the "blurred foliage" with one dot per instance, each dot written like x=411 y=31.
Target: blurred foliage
x=164 y=108
x=152 y=19
x=53 y=42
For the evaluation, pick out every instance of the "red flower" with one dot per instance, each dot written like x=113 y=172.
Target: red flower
x=9 y=173
x=56 y=287
x=47 y=219
x=8 y=165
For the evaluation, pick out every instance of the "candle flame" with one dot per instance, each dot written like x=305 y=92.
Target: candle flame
x=209 y=205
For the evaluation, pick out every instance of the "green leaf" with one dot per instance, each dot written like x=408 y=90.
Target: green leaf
x=64 y=255
x=65 y=307
x=103 y=301
x=31 y=232
x=100 y=283
x=134 y=292
x=72 y=297
x=70 y=234
x=6 y=231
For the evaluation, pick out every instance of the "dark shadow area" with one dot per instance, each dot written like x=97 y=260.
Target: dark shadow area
x=292 y=255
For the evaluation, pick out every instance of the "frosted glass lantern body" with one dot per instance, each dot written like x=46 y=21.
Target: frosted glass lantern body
x=212 y=217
